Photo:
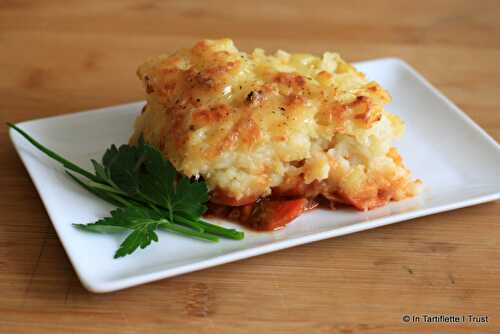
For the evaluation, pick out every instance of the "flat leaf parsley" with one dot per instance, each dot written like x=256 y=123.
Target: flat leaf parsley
x=149 y=193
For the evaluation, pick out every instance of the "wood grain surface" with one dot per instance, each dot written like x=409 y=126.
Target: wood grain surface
x=59 y=57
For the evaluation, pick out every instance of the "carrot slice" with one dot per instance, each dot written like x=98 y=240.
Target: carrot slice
x=272 y=214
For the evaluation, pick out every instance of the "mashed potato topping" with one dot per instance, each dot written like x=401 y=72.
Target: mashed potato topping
x=257 y=125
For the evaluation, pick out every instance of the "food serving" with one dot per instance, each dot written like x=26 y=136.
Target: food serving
x=271 y=134
x=254 y=138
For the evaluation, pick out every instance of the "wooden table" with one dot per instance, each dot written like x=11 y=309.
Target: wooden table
x=62 y=56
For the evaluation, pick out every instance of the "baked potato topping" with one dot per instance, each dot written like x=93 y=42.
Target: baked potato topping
x=257 y=126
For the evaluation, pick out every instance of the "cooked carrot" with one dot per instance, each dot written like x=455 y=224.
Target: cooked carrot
x=270 y=215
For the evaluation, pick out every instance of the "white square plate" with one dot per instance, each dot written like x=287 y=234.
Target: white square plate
x=456 y=159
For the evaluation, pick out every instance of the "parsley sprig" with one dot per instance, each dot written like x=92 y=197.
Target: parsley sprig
x=149 y=194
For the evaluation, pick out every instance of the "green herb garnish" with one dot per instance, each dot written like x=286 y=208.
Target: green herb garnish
x=149 y=193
